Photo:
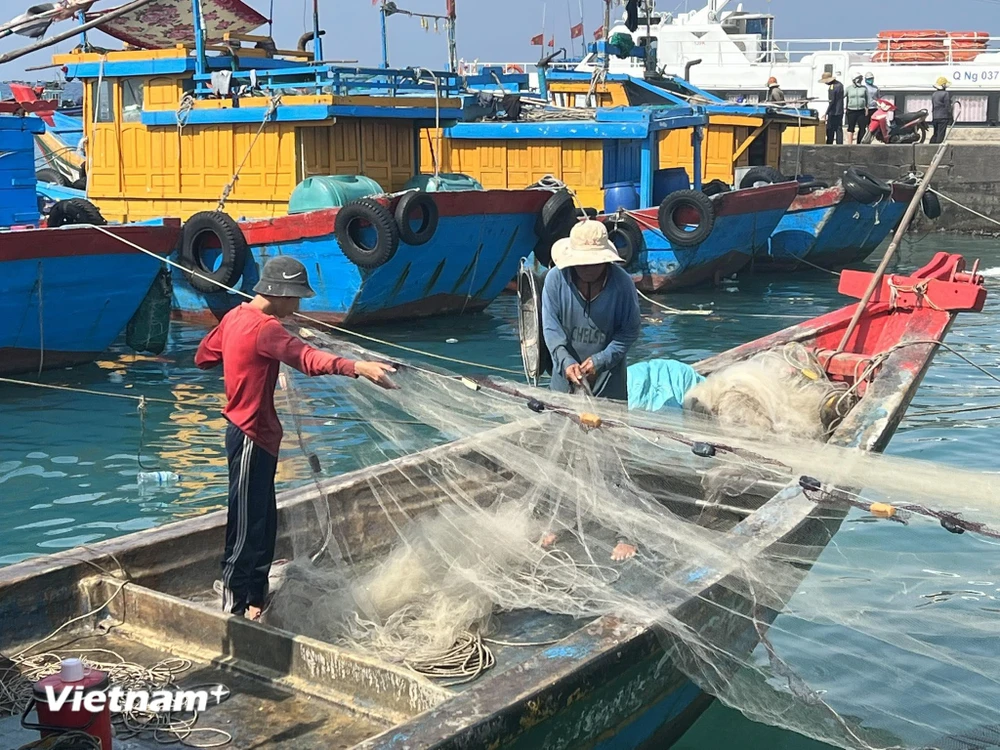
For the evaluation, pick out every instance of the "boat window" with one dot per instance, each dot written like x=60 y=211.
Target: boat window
x=974 y=108
x=102 y=101
x=917 y=102
x=132 y=98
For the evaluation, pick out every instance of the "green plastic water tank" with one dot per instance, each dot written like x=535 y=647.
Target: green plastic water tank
x=443 y=183
x=330 y=191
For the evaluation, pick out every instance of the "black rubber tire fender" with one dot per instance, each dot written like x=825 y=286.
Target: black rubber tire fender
x=931 y=206
x=864 y=187
x=626 y=235
x=693 y=199
x=53 y=176
x=232 y=246
x=369 y=211
x=557 y=216
x=75 y=211
x=429 y=217
x=812 y=186
x=716 y=187
x=770 y=175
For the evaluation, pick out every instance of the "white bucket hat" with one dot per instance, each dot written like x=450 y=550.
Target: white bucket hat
x=587 y=245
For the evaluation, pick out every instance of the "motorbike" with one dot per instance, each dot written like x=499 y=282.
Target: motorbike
x=888 y=126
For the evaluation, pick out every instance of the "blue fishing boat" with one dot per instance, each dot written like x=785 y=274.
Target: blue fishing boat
x=831 y=227
x=67 y=291
x=265 y=152
x=366 y=268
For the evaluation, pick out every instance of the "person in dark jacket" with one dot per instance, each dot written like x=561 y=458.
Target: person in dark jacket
x=834 y=110
x=941 y=112
x=774 y=93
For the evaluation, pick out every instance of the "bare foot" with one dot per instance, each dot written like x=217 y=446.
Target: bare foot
x=548 y=540
x=253 y=613
x=623 y=552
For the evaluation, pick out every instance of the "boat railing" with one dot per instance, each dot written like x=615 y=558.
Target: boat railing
x=322 y=78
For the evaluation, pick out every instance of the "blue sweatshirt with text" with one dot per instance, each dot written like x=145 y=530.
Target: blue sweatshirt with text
x=602 y=329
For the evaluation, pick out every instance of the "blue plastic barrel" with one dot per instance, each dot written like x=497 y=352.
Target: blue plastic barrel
x=443 y=183
x=330 y=191
x=667 y=181
x=620 y=195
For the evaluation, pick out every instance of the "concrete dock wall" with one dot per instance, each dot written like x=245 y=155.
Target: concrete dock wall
x=970 y=173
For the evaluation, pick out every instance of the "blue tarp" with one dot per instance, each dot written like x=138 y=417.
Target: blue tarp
x=660 y=384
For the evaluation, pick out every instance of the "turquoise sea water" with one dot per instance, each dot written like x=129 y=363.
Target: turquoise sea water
x=68 y=461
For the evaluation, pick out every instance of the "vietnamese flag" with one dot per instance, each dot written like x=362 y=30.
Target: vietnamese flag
x=538 y=41
x=552 y=41
x=599 y=34
x=575 y=32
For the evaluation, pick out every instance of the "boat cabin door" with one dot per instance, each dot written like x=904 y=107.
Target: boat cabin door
x=836 y=63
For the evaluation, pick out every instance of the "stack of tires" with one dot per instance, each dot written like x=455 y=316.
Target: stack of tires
x=369 y=233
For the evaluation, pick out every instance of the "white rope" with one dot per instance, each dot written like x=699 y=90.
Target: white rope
x=963 y=206
x=271 y=109
x=674 y=310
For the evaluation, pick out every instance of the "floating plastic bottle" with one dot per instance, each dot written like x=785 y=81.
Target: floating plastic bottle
x=157 y=478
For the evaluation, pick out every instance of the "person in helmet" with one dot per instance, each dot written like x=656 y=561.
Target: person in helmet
x=941 y=110
x=774 y=93
x=857 y=106
x=251 y=344
x=873 y=96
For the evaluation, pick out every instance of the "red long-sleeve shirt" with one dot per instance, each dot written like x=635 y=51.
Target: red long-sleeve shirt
x=250 y=345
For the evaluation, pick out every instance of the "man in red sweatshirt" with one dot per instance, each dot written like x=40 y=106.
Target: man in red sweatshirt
x=251 y=344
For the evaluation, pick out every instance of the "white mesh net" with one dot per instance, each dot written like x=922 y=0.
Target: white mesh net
x=773 y=581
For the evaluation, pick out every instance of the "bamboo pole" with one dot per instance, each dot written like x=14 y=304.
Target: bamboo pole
x=894 y=245
x=109 y=16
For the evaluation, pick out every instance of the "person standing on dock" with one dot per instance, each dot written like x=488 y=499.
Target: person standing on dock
x=941 y=110
x=857 y=107
x=774 y=93
x=834 y=110
x=873 y=97
x=251 y=344
x=590 y=314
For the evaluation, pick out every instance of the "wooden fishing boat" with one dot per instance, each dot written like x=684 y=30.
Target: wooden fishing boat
x=66 y=292
x=831 y=228
x=603 y=684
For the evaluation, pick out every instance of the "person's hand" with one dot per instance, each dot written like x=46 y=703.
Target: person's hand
x=574 y=374
x=548 y=540
x=589 y=368
x=623 y=552
x=377 y=372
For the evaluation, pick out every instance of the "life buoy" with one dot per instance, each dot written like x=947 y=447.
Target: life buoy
x=675 y=228
x=75 y=211
x=626 y=235
x=429 y=215
x=508 y=69
x=352 y=219
x=864 y=187
x=206 y=233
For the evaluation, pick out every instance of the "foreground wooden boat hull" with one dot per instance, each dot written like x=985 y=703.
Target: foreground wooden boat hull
x=604 y=684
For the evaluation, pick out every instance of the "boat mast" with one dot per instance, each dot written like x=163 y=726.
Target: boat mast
x=452 y=36
x=607 y=34
x=199 y=38
x=385 y=38
x=317 y=44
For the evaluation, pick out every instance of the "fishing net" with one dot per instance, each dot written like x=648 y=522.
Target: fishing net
x=850 y=597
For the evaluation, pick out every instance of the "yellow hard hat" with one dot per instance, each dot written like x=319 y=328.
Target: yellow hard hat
x=942 y=82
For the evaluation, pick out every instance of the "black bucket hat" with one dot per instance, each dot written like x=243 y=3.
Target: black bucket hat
x=284 y=277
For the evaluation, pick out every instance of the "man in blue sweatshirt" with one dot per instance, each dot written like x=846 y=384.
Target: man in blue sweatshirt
x=590 y=314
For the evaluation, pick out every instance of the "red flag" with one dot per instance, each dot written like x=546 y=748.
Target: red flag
x=538 y=41
x=552 y=41
x=450 y=4
x=599 y=34
x=575 y=32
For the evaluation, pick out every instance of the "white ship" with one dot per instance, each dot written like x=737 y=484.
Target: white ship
x=738 y=51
